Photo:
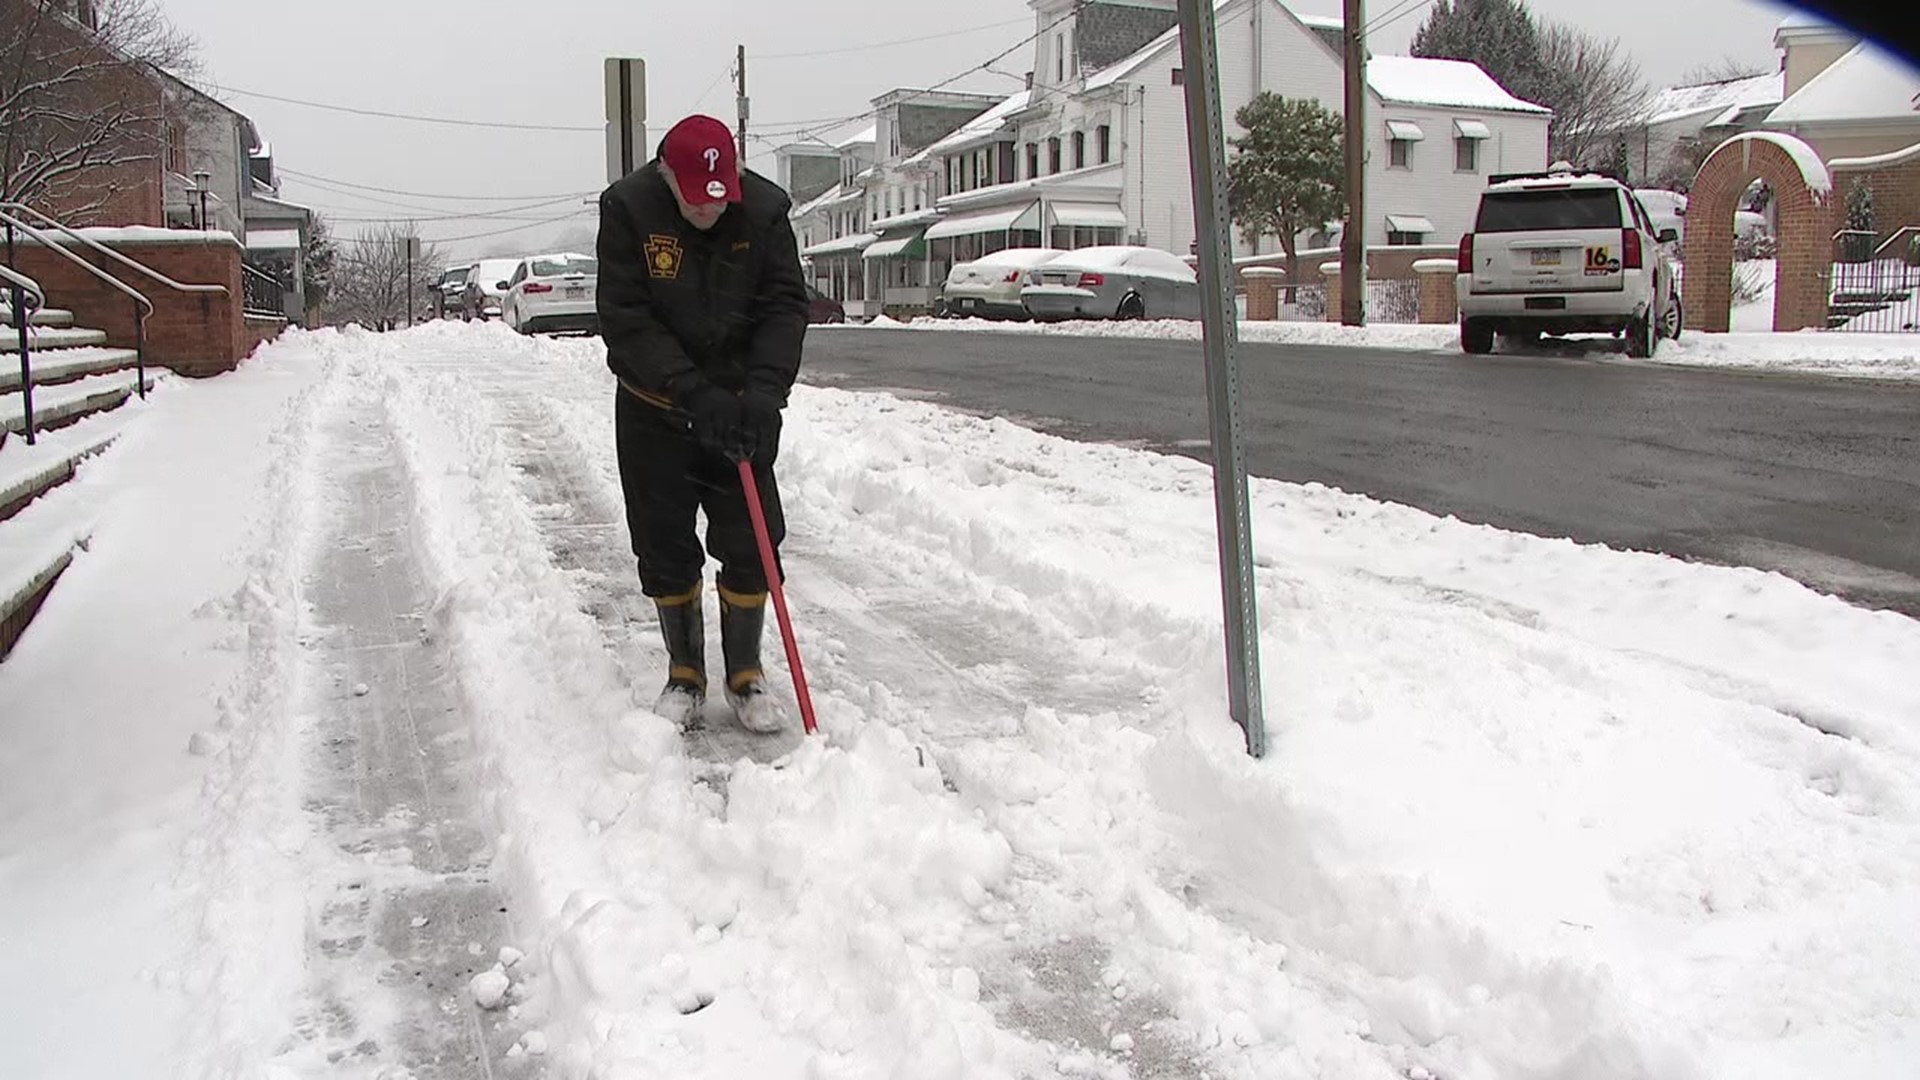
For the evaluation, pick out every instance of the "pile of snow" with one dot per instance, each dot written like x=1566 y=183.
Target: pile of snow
x=1861 y=355
x=1532 y=808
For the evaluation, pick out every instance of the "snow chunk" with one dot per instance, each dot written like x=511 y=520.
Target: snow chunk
x=489 y=988
x=966 y=983
x=510 y=956
x=535 y=1042
x=1121 y=1043
x=204 y=744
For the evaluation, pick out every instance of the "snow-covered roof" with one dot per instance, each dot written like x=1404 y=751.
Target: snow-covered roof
x=985 y=124
x=1458 y=84
x=826 y=198
x=865 y=137
x=1718 y=98
x=1868 y=83
x=1322 y=22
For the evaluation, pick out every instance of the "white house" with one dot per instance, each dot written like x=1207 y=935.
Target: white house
x=1096 y=150
x=1681 y=123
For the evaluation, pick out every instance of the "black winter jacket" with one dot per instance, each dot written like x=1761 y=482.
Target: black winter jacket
x=680 y=307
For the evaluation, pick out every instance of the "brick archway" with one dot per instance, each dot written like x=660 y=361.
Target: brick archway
x=1803 y=201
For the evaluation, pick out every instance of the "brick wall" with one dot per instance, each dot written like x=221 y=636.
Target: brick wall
x=1105 y=33
x=1439 y=299
x=1807 y=221
x=191 y=334
x=1896 y=190
x=105 y=92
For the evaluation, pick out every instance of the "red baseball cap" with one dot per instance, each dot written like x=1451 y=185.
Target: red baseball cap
x=701 y=153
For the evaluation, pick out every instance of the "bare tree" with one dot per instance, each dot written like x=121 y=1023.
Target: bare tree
x=78 y=97
x=371 y=283
x=1725 y=69
x=1595 y=91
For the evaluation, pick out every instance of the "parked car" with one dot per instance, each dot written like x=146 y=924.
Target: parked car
x=553 y=293
x=1565 y=253
x=990 y=285
x=446 y=291
x=1668 y=210
x=1115 y=282
x=822 y=308
x=486 y=288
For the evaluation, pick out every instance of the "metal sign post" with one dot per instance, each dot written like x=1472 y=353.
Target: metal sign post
x=626 y=116
x=1206 y=146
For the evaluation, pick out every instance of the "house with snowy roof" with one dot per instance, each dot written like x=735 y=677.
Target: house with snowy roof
x=1681 y=124
x=1094 y=150
x=1845 y=97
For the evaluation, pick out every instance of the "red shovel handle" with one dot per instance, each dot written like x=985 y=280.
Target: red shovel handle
x=759 y=515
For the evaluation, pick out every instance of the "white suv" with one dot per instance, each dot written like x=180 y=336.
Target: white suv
x=1562 y=253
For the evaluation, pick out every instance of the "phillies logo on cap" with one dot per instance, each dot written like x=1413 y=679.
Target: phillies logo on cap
x=701 y=154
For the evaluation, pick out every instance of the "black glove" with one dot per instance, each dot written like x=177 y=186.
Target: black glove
x=759 y=425
x=716 y=416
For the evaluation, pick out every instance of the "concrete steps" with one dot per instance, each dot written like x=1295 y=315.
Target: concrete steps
x=52 y=338
x=53 y=317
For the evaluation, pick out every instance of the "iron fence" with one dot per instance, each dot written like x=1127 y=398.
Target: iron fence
x=1875 y=288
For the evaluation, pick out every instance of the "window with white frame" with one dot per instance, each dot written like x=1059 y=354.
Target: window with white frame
x=1467 y=137
x=1401 y=135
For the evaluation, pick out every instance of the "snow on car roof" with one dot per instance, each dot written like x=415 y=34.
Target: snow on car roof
x=1017 y=257
x=1151 y=262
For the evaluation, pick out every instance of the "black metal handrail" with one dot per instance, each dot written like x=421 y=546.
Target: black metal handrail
x=22 y=289
x=262 y=293
x=142 y=307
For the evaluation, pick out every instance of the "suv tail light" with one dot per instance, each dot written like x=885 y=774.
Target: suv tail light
x=1466 y=254
x=1092 y=281
x=1630 y=257
x=538 y=287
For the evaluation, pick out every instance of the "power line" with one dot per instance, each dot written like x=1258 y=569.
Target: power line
x=449 y=121
x=444 y=211
x=885 y=44
x=1406 y=8
x=515 y=229
x=426 y=195
x=987 y=66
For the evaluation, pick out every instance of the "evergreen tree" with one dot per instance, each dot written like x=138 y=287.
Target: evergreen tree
x=1288 y=171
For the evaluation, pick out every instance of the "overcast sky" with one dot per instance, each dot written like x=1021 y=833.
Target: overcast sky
x=540 y=63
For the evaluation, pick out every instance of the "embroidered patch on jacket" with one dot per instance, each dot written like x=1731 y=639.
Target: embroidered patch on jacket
x=743 y=245
x=663 y=257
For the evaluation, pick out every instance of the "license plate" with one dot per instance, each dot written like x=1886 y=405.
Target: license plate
x=575 y=294
x=1546 y=257
x=966 y=305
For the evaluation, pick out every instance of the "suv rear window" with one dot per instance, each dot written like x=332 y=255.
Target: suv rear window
x=1567 y=208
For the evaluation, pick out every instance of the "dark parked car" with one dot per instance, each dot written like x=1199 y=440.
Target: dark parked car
x=446 y=292
x=822 y=308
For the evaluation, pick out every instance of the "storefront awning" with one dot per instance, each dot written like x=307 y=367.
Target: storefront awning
x=1025 y=216
x=1472 y=129
x=841 y=245
x=1087 y=215
x=908 y=244
x=273 y=239
x=1405 y=130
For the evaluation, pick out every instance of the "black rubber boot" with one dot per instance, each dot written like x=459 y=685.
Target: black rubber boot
x=743 y=621
x=684 y=629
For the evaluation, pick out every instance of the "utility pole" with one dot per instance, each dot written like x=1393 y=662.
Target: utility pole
x=1353 y=238
x=740 y=82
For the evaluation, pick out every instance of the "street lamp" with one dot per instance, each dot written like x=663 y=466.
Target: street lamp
x=201 y=178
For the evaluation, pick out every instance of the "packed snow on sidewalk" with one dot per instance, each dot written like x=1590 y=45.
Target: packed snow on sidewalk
x=1865 y=355
x=1533 y=809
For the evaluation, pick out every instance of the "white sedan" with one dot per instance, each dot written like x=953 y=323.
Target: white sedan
x=990 y=285
x=553 y=293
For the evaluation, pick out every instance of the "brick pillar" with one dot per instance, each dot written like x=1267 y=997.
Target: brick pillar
x=1263 y=292
x=1331 y=272
x=1439 y=303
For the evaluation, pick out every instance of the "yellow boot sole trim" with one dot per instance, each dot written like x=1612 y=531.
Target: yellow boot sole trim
x=739 y=680
x=742 y=599
x=681 y=600
x=687 y=675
